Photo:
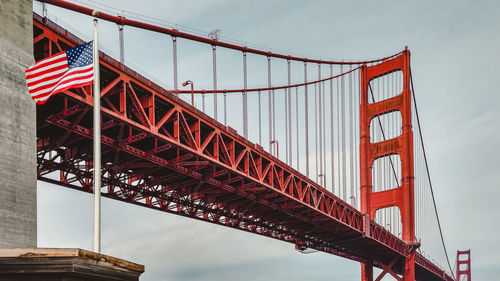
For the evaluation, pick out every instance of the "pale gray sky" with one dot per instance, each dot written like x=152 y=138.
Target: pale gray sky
x=454 y=47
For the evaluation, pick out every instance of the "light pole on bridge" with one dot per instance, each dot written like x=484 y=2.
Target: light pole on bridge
x=277 y=147
x=189 y=82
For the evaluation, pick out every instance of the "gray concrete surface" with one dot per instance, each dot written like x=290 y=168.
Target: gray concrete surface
x=17 y=127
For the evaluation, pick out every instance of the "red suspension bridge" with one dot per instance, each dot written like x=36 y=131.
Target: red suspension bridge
x=334 y=163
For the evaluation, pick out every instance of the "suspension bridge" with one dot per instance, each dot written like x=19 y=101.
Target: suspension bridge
x=333 y=158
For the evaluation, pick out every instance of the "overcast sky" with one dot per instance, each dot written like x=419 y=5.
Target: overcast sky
x=455 y=56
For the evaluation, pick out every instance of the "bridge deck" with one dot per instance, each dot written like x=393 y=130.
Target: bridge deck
x=161 y=153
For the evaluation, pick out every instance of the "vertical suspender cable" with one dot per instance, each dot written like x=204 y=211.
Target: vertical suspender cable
x=373 y=138
x=306 y=133
x=381 y=161
x=245 y=101
x=324 y=135
x=320 y=125
x=342 y=113
x=321 y=132
x=391 y=133
x=316 y=130
x=339 y=175
x=290 y=142
x=384 y=160
x=260 y=119
x=174 y=50
x=225 y=109
x=357 y=132
x=355 y=135
x=285 y=92
x=297 y=123
x=286 y=125
x=331 y=131
x=351 y=139
x=396 y=131
x=386 y=171
x=214 y=71
x=274 y=119
x=122 y=49
x=270 y=113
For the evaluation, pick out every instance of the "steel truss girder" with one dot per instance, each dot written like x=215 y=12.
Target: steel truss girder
x=167 y=132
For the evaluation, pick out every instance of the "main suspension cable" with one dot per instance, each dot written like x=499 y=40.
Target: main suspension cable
x=269 y=88
x=176 y=33
x=429 y=176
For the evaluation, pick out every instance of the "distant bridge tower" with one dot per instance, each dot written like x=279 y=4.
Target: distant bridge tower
x=17 y=127
x=463 y=265
x=402 y=196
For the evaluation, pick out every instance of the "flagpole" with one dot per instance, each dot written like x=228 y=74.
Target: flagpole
x=97 y=142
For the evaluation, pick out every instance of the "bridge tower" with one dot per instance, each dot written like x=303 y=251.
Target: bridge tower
x=463 y=271
x=403 y=196
x=17 y=127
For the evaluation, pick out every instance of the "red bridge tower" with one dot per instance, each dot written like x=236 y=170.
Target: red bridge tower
x=464 y=270
x=403 y=195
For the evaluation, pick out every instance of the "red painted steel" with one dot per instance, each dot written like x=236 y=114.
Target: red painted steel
x=463 y=258
x=263 y=89
x=159 y=152
x=175 y=33
x=402 y=196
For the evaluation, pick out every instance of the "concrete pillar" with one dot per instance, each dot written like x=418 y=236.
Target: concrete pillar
x=17 y=127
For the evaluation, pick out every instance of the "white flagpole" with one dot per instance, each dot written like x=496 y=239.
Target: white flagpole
x=97 y=142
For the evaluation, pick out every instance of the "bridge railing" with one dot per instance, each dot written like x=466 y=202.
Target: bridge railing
x=309 y=189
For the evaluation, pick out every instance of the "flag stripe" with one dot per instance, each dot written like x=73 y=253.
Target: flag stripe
x=54 y=88
x=47 y=61
x=50 y=83
x=46 y=74
x=75 y=84
x=57 y=67
x=48 y=67
x=71 y=79
x=67 y=78
x=45 y=82
x=62 y=61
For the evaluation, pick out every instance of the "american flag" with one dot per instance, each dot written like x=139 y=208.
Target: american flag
x=70 y=69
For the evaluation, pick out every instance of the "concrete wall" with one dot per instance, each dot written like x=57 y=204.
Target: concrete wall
x=17 y=127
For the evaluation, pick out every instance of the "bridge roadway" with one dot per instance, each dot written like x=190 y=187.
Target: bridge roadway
x=159 y=152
